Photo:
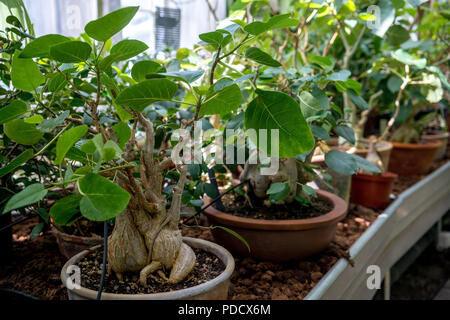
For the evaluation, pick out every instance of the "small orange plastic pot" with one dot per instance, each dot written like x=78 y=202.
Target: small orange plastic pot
x=372 y=191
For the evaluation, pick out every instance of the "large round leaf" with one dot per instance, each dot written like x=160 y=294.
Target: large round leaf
x=71 y=51
x=222 y=102
x=277 y=110
x=21 y=132
x=102 y=200
x=25 y=74
x=140 y=95
x=107 y=26
x=67 y=140
x=40 y=47
x=142 y=69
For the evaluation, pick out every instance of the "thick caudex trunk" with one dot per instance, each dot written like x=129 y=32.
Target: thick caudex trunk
x=290 y=171
x=141 y=242
x=146 y=236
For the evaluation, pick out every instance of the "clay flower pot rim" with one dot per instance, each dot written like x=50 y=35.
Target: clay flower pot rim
x=381 y=147
x=74 y=238
x=433 y=144
x=217 y=250
x=337 y=213
x=438 y=135
x=385 y=176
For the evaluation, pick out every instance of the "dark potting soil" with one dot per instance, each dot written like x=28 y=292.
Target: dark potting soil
x=206 y=268
x=238 y=205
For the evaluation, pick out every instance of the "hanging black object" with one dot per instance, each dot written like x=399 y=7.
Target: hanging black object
x=167 y=28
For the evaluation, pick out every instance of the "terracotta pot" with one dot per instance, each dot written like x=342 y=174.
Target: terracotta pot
x=278 y=240
x=69 y=245
x=412 y=158
x=215 y=289
x=442 y=137
x=372 y=191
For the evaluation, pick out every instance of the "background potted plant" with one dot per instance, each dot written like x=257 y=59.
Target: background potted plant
x=293 y=101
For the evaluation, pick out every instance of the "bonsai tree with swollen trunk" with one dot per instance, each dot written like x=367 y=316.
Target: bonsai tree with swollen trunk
x=146 y=237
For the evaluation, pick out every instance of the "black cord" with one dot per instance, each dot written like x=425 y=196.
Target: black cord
x=215 y=200
x=17 y=222
x=105 y=255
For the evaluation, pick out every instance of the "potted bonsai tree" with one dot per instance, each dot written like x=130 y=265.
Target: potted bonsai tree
x=137 y=184
x=280 y=215
x=411 y=155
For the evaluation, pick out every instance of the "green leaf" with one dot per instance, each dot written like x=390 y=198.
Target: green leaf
x=341 y=162
x=48 y=125
x=40 y=47
x=44 y=215
x=147 y=92
x=320 y=132
x=21 y=132
x=441 y=76
x=277 y=110
x=71 y=52
x=57 y=83
x=65 y=209
x=387 y=16
x=261 y=57
x=12 y=111
x=309 y=105
x=278 y=191
x=222 y=102
x=394 y=83
x=142 y=69
x=321 y=96
x=123 y=133
x=186 y=76
x=365 y=165
x=102 y=199
x=17 y=162
x=406 y=58
x=25 y=74
x=31 y=194
x=357 y=100
x=123 y=50
x=339 y=76
x=345 y=132
x=107 y=26
x=309 y=190
x=127 y=49
x=348 y=164
x=323 y=62
x=36 y=230
x=35 y=119
x=276 y=22
x=88 y=147
x=67 y=140
x=396 y=35
x=111 y=151
x=235 y=234
x=215 y=38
